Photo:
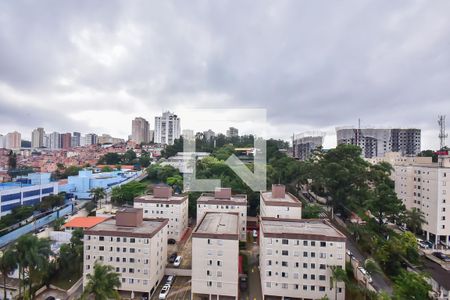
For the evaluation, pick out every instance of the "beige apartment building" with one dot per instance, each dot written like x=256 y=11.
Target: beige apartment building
x=223 y=201
x=295 y=259
x=135 y=247
x=426 y=186
x=279 y=204
x=162 y=204
x=215 y=259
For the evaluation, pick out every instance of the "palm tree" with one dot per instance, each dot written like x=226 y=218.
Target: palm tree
x=98 y=194
x=8 y=264
x=33 y=257
x=102 y=284
x=337 y=275
x=415 y=218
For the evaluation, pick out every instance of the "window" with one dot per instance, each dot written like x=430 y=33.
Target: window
x=219 y=284
x=102 y=238
x=323 y=244
x=284 y=263
x=313 y=243
x=131 y=270
x=305 y=276
x=284 y=274
x=132 y=240
x=305 y=243
x=209 y=283
x=219 y=263
x=305 y=254
x=321 y=277
x=268 y=284
x=285 y=242
x=322 y=288
x=284 y=252
x=268 y=273
x=101 y=248
x=219 y=273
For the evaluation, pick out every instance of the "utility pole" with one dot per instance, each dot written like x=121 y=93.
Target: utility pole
x=442 y=134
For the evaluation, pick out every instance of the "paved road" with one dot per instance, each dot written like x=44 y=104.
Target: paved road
x=254 y=280
x=379 y=281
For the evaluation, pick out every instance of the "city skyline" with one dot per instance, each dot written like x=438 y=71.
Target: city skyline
x=377 y=61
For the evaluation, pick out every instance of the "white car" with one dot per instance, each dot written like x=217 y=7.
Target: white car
x=177 y=261
x=170 y=279
x=366 y=274
x=255 y=233
x=164 y=292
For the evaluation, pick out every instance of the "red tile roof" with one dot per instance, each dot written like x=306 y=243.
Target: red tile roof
x=84 y=222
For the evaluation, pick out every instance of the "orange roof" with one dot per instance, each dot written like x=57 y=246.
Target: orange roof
x=84 y=222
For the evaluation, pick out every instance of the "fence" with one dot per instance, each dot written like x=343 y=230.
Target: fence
x=30 y=227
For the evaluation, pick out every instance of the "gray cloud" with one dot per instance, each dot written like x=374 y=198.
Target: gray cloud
x=313 y=65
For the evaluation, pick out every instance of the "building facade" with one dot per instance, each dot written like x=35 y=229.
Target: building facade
x=279 y=204
x=13 y=140
x=232 y=132
x=167 y=128
x=140 y=130
x=425 y=185
x=66 y=140
x=37 y=138
x=162 y=204
x=222 y=201
x=304 y=144
x=76 y=139
x=55 y=140
x=376 y=142
x=134 y=247
x=16 y=194
x=215 y=257
x=297 y=257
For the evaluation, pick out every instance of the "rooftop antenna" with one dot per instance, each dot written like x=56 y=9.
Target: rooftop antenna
x=442 y=134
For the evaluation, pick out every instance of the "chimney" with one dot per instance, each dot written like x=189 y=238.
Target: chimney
x=278 y=191
x=222 y=193
x=162 y=191
x=129 y=217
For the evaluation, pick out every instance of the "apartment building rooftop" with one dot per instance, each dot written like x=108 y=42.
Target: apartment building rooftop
x=162 y=193
x=218 y=225
x=128 y=222
x=278 y=197
x=311 y=229
x=222 y=196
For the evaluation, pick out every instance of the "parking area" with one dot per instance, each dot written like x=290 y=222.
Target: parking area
x=180 y=289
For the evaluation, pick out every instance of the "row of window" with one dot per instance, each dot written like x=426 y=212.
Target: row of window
x=131 y=260
x=312 y=288
x=297 y=265
x=271 y=241
x=305 y=254
x=296 y=275
x=118 y=239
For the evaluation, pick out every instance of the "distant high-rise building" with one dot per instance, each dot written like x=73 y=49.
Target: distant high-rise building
x=209 y=134
x=66 y=140
x=91 y=139
x=46 y=141
x=151 y=136
x=76 y=139
x=2 y=141
x=55 y=140
x=232 y=132
x=188 y=134
x=140 y=130
x=305 y=143
x=37 y=138
x=108 y=139
x=13 y=140
x=376 y=142
x=167 y=128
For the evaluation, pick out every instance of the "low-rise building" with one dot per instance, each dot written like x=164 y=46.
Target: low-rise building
x=297 y=258
x=223 y=201
x=279 y=204
x=215 y=248
x=162 y=204
x=83 y=223
x=15 y=194
x=135 y=247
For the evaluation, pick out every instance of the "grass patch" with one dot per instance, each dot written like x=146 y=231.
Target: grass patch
x=65 y=281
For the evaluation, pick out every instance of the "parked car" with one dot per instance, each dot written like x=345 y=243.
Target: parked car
x=255 y=233
x=243 y=282
x=366 y=274
x=171 y=241
x=177 y=261
x=441 y=256
x=170 y=279
x=428 y=244
x=172 y=257
x=164 y=292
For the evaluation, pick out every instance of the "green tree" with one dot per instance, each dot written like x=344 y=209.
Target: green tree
x=12 y=160
x=414 y=219
x=127 y=192
x=410 y=285
x=129 y=158
x=338 y=274
x=311 y=211
x=58 y=223
x=98 y=194
x=8 y=263
x=172 y=150
x=107 y=169
x=102 y=284
x=110 y=158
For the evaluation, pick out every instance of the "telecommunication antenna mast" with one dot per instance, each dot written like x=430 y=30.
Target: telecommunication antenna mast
x=442 y=134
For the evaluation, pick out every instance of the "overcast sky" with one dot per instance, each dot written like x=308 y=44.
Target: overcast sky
x=92 y=66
